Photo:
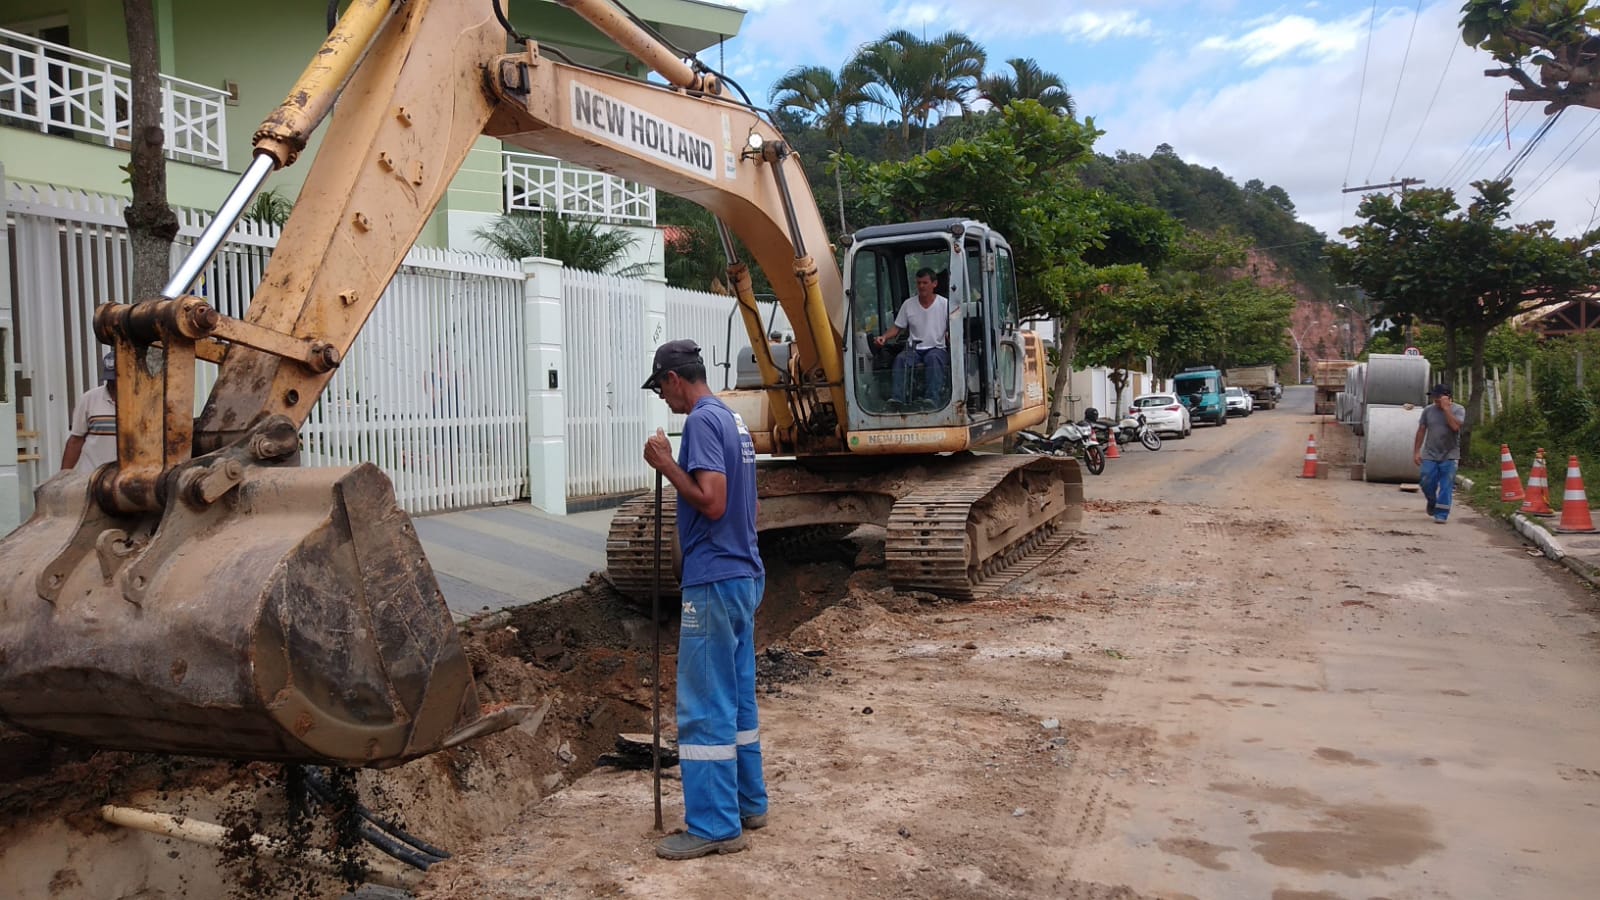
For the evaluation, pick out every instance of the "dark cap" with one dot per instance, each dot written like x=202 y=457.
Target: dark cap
x=670 y=356
x=108 y=366
x=1440 y=390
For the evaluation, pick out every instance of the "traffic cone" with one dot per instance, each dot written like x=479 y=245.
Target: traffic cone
x=1538 y=499
x=1310 y=468
x=1111 y=447
x=1510 y=484
x=1574 y=504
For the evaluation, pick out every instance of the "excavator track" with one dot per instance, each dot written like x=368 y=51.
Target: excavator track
x=631 y=550
x=961 y=527
x=973 y=531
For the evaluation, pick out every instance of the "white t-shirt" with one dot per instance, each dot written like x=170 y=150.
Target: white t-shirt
x=927 y=326
x=95 y=420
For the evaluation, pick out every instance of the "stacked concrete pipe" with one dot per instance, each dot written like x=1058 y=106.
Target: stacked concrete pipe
x=1392 y=389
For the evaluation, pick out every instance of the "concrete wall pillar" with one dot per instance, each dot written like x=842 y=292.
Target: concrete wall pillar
x=655 y=328
x=545 y=376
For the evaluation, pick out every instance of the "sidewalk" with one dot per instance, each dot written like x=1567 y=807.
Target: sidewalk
x=500 y=556
x=1578 y=552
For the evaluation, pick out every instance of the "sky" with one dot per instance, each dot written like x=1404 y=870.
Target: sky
x=1313 y=97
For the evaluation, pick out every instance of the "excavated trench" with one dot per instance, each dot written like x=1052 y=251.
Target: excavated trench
x=582 y=660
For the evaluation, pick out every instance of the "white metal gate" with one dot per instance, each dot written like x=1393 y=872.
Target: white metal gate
x=432 y=390
x=607 y=353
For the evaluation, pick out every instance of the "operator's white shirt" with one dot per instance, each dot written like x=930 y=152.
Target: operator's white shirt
x=927 y=326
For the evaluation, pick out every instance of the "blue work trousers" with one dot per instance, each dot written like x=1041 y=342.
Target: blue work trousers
x=1438 y=482
x=719 y=737
x=935 y=362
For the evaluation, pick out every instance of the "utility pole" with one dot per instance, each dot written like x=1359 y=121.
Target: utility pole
x=1402 y=184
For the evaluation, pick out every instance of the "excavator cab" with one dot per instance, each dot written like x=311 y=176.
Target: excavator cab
x=979 y=378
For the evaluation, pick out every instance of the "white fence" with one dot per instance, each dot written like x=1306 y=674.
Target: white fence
x=432 y=390
x=57 y=89
x=535 y=183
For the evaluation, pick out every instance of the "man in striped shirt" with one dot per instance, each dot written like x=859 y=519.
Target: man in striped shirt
x=93 y=441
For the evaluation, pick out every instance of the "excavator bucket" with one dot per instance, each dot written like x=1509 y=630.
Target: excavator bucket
x=293 y=619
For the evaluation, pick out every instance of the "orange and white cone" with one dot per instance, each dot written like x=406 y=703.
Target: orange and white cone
x=1111 y=446
x=1537 y=502
x=1575 y=517
x=1310 y=468
x=1510 y=483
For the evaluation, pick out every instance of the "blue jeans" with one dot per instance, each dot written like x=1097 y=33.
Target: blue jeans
x=719 y=738
x=1438 y=483
x=935 y=363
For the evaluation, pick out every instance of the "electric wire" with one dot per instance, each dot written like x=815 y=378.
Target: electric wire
x=1558 y=162
x=1522 y=155
x=1455 y=41
x=1482 y=130
x=1474 y=167
x=1355 y=129
x=1395 y=100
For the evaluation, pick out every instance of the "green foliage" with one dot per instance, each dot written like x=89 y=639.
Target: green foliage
x=914 y=79
x=1028 y=81
x=269 y=208
x=577 y=243
x=1555 y=38
x=1204 y=199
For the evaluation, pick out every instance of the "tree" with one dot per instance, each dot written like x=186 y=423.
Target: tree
x=1560 y=39
x=914 y=79
x=152 y=225
x=1027 y=82
x=1463 y=271
x=827 y=102
x=577 y=243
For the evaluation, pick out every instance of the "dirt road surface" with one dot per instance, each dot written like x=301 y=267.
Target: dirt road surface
x=1236 y=684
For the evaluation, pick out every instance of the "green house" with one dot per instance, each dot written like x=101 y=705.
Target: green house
x=64 y=109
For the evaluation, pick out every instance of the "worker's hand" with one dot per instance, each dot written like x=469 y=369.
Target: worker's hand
x=1416 y=459
x=878 y=340
x=658 y=451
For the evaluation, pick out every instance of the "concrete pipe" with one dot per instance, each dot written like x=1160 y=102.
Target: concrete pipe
x=1393 y=379
x=1390 y=432
x=1356 y=387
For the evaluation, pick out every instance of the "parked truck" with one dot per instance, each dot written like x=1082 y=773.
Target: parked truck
x=1260 y=381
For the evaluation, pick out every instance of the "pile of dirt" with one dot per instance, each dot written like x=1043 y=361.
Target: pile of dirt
x=581 y=661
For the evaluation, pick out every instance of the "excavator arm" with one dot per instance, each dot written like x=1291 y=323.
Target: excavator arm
x=206 y=595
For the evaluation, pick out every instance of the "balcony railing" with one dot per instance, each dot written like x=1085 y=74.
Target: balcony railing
x=545 y=184
x=59 y=90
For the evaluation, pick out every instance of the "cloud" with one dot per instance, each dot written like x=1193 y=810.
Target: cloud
x=1292 y=36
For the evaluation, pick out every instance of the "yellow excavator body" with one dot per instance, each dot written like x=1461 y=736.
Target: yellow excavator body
x=205 y=594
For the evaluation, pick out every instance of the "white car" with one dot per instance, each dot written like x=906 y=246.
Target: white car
x=1164 y=413
x=1240 y=401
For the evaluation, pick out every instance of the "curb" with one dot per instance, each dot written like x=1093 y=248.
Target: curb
x=1546 y=542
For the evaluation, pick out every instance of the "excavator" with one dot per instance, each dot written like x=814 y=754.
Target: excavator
x=207 y=595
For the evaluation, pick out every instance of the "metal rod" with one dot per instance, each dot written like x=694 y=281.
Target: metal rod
x=228 y=216
x=655 y=676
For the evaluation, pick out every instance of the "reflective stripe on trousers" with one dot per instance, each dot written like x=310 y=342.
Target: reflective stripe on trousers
x=719 y=738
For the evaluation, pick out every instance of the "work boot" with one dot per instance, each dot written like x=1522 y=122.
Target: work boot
x=684 y=845
x=753 y=823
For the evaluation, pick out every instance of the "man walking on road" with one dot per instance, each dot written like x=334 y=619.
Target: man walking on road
x=719 y=742
x=1437 y=450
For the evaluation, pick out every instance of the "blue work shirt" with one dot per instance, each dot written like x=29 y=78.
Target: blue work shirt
x=716 y=440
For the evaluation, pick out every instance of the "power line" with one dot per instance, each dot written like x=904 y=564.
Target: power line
x=1486 y=153
x=1482 y=130
x=1395 y=100
x=1593 y=128
x=1355 y=128
x=1455 y=41
x=1522 y=155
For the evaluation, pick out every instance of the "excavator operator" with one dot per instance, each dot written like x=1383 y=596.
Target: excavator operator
x=927 y=317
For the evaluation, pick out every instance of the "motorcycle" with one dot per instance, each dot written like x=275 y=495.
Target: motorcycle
x=1071 y=439
x=1125 y=432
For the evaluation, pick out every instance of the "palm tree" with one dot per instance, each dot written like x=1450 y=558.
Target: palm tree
x=577 y=243
x=1030 y=82
x=828 y=102
x=913 y=78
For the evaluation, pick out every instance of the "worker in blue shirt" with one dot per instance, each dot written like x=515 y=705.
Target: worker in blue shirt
x=719 y=741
